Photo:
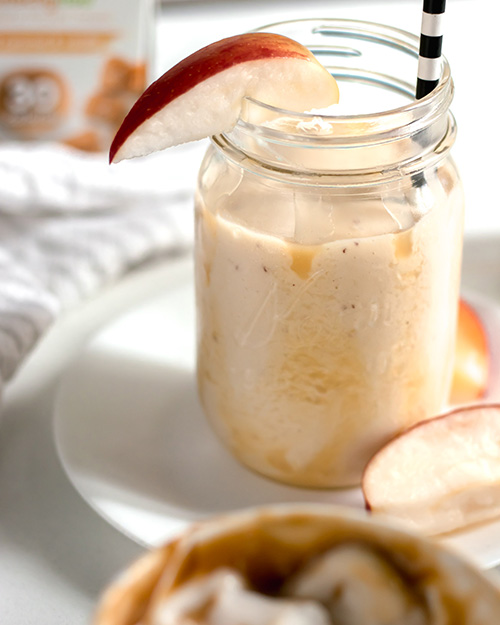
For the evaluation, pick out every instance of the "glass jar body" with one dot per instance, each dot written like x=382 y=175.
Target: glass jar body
x=312 y=355
x=326 y=299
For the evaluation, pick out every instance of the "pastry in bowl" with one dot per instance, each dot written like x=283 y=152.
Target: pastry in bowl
x=300 y=565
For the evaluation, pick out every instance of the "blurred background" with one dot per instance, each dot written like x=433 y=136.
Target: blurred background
x=57 y=554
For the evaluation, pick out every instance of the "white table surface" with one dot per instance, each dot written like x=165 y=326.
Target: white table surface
x=56 y=554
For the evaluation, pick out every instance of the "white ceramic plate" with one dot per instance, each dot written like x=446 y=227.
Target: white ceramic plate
x=133 y=440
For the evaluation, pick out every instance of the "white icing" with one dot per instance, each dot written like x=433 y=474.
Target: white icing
x=246 y=607
x=359 y=587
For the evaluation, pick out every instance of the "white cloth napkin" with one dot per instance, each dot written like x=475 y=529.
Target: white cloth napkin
x=70 y=224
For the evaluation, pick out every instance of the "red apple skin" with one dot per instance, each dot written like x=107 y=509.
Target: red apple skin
x=471 y=367
x=201 y=65
x=445 y=415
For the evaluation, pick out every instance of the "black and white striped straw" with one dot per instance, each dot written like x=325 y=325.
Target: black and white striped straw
x=431 y=40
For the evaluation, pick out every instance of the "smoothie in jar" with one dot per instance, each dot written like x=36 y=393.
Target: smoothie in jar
x=327 y=271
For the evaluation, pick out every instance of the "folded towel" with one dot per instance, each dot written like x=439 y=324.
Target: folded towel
x=70 y=224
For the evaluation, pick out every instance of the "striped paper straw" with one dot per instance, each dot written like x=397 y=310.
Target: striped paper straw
x=431 y=40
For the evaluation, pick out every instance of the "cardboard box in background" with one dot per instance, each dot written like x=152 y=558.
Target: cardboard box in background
x=71 y=69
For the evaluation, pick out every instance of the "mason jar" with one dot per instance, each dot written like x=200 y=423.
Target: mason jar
x=328 y=253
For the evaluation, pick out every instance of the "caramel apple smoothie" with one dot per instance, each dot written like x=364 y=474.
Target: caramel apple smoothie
x=328 y=244
x=326 y=317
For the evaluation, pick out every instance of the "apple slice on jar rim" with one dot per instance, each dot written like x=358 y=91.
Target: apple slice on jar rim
x=203 y=94
x=440 y=475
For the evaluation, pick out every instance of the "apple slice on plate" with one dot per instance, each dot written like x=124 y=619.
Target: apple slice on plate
x=440 y=475
x=203 y=94
x=471 y=367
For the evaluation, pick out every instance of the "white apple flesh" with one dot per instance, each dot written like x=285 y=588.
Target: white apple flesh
x=440 y=475
x=203 y=94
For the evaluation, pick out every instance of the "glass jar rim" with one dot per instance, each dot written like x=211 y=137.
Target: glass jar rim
x=346 y=128
x=382 y=145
